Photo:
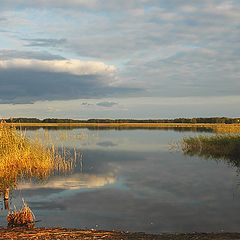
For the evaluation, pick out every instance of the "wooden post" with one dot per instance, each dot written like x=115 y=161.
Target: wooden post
x=6 y=194
x=6 y=204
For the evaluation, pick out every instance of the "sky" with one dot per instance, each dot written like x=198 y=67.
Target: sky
x=119 y=58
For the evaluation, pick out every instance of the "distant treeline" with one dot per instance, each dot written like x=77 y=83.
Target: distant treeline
x=176 y=120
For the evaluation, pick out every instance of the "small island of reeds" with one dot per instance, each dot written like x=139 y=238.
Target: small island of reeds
x=218 y=146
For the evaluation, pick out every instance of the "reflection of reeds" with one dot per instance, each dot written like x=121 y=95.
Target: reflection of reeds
x=219 y=146
x=21 y=218
x=24 y=158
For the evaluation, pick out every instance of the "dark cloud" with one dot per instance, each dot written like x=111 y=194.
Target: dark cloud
x=6 y=54
x=23 y=86
x=42 y=42
x=106 y=104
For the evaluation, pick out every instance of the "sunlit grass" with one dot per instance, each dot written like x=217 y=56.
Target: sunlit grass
x=21 y=157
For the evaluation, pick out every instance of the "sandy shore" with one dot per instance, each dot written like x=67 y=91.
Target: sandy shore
x=62 y=234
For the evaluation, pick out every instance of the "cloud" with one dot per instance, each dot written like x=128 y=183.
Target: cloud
x=28 y=86
x=42 y=42
x=168 y=48
x=31 y=80
x=9 y=54
x=4 y=31
x=192 y=72
x=75 y=67
x=46 y=4
x=3 y=19
x=92 y=5
x=106 y=104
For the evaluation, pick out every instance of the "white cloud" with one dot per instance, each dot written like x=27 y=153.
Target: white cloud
x=52 y=3
x=73 y=66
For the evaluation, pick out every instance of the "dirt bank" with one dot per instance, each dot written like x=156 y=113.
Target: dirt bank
x=65 y=234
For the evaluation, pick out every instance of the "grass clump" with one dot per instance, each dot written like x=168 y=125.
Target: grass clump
x=21 y=157
x=219 y=146
x=21 y=218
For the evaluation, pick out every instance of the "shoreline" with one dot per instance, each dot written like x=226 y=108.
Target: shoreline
x=215 y=127
x=64 y=233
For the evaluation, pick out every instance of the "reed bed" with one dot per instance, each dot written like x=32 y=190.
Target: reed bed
x=21 y=157
x=226 y=128
x=219 y=146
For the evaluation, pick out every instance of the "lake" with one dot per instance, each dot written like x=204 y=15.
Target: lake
x=132 y=180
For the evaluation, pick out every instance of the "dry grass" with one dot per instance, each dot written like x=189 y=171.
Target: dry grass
x=21 y=218
x=226 y=128
x=24 y=158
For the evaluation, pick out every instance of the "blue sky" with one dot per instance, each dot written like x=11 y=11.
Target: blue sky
x=119 y=58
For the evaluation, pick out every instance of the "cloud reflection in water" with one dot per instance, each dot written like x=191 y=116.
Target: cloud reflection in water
x=73 y=182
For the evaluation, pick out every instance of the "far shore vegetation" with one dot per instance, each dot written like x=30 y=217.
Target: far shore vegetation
x=176 y=120
x=218 y=146
x=214 y=124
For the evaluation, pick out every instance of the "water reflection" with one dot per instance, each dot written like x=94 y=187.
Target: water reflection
x=74 y=182
x=129 y=180
x=123 y=128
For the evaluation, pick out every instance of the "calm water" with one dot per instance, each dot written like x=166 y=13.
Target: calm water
x=130 y=180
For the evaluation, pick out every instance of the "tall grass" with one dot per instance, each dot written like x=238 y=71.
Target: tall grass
x=219 y=146
x=21 y=157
